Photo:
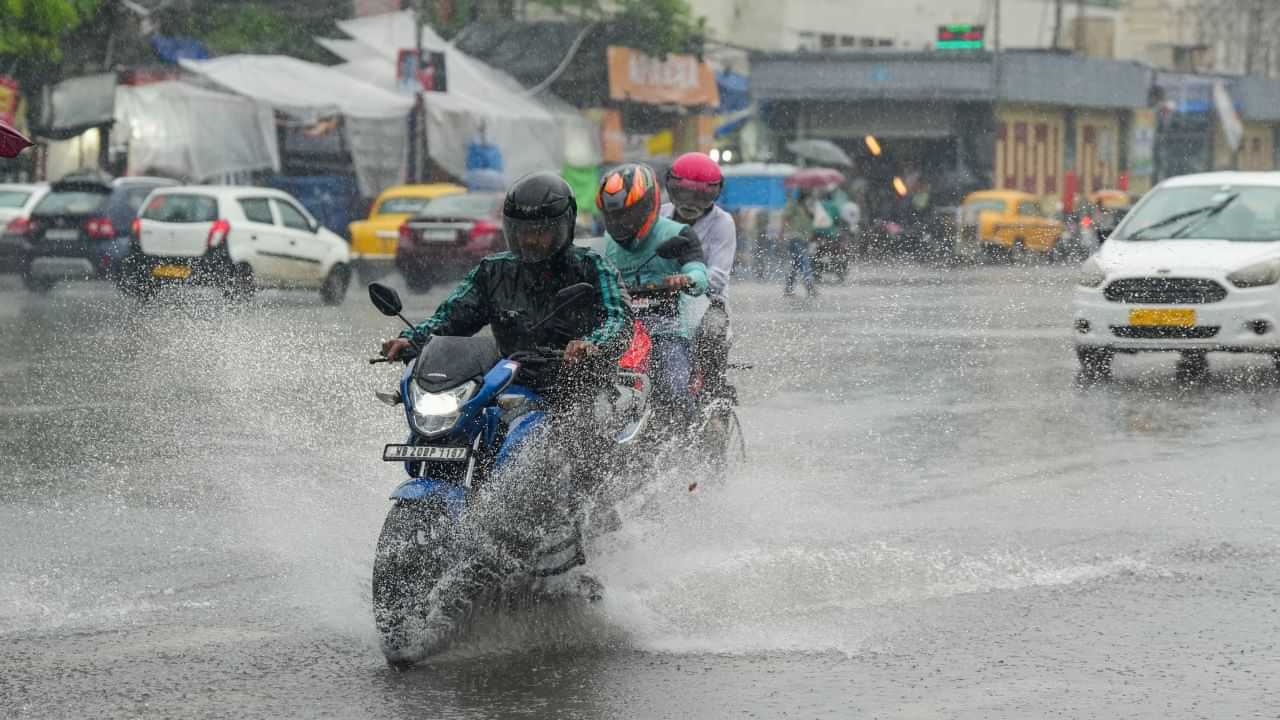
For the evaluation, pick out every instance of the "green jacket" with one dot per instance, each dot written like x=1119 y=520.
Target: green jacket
x=510 y=296
x=796 y=221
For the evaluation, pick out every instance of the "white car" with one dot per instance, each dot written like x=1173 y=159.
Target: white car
x=1193 y=268
x=237 y=238
x=17 y=200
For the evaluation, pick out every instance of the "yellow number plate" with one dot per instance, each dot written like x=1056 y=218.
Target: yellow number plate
x=1165 y=317
x=172 y=272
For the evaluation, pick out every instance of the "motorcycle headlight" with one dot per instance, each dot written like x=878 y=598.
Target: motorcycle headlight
x=1256 y=275
x=434 y=413
x=1091 y=274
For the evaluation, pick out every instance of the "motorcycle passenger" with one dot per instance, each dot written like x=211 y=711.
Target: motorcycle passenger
x=653 y=251
x=514 y=290
x=694 y=183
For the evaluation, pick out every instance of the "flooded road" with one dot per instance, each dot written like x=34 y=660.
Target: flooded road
x=936 y=520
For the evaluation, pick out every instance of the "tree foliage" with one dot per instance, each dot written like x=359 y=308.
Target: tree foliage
x=658 y=26
x=31 y=31
x=266 y=26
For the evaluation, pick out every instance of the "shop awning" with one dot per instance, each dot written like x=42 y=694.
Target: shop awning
x=1024 y=77
x=178 y=129
x=534 y=133
x=375 y=120
x=862 y=76
x=77 y=104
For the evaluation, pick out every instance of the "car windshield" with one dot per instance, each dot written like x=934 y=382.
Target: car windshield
x=71 y=202
x=13 y=198
x=402 y=205
x=1244 y=214
x=969 y=213
x=463 y=204
x=181 y=208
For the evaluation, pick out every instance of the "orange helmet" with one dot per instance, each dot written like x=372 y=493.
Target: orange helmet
x=629 y=197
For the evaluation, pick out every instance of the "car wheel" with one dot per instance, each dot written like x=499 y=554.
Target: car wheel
x=1192 y=365
x=334 y=290
x=240 y=283
x=1018 y=254
x=1095 y=363
x=40 y=285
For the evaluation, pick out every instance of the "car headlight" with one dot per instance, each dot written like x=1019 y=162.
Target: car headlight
x=434 y=413
x=1256 y=275
x=1091 y=274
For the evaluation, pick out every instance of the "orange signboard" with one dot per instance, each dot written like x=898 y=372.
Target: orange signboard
x=8 y=99
x=673 y=80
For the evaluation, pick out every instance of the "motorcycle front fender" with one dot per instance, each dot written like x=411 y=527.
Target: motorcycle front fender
x=421 y=489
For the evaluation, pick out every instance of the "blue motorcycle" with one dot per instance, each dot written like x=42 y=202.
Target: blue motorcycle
x=491 y=508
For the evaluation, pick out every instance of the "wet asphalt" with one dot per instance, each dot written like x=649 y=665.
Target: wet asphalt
x=936 y=520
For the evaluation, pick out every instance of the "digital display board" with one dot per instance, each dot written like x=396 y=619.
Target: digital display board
x=961 y=36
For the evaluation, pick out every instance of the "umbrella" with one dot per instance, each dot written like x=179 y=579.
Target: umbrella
x=810 y=178
x=12 y=142
x=822 y=151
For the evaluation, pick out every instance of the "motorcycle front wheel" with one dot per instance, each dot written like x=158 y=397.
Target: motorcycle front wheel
x=424 y=589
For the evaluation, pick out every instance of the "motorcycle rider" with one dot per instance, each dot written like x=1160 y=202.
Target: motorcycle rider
x=510 y=292
x=516 y=288
x=694 y=183
x=635 y=234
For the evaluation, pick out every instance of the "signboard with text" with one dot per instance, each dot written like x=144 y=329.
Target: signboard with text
x=961 y=36
x=674 y=80
x=425 y=74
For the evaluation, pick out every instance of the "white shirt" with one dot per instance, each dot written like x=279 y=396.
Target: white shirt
x=719 y=239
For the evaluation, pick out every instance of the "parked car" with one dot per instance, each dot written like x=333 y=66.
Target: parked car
x=236 y=238
x=16 y=203
x=450 y=235
x=1193 y=268
x=80 y=228
x=373 y=241
x=1007 y=223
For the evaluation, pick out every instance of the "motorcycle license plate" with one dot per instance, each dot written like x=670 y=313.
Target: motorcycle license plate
x=1175 y=317
x=403 y=453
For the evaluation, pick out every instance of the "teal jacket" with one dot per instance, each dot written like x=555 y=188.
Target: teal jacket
x=641 y=265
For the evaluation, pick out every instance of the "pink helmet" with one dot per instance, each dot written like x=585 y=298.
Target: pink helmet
x=694 y=182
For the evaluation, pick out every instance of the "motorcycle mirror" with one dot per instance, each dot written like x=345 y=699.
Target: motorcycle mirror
x=674 y=248
x=386 y=299
x=574 y=293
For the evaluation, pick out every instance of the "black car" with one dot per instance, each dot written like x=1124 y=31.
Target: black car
x=81 y=228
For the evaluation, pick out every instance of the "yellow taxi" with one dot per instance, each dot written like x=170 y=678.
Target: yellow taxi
x=1009 y=221
x=374 y=240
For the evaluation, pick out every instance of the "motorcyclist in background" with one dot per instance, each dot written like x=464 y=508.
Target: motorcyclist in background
x=651 y=251
x=694 y=183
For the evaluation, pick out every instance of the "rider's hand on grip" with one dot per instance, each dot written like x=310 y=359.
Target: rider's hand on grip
x=395 y=346
x=578 y=350
x=677 y=282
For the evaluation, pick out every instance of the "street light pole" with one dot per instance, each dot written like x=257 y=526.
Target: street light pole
x=1057 y=24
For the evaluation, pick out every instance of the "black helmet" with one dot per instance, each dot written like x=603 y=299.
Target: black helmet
x=538 y=216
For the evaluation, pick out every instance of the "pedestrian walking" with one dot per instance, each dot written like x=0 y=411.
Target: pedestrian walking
x=798 y=228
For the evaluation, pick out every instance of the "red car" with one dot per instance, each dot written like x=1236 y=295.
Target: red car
x=448 y=237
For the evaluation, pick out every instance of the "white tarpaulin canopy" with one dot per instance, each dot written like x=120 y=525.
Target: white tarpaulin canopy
x=534 y=133
x=375 y=119
x=176 y=128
